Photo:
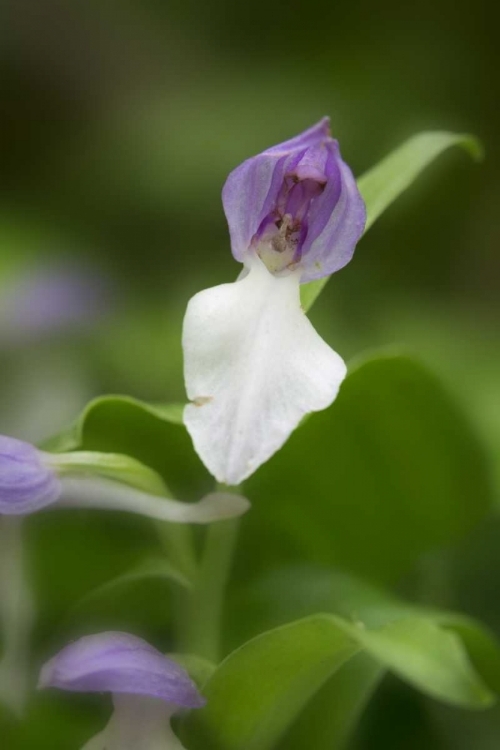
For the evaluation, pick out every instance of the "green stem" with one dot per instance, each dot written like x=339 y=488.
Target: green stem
x=207 y=599
x=16 y=614
x=177 y=540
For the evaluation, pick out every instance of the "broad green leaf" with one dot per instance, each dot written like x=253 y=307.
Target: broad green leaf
x=261 y=688
x=153 y=435
x=382 y=184
x=329 y=719
x=392 y=470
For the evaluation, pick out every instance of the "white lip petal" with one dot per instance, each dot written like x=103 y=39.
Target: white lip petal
x=106 y=494
x=254 y=366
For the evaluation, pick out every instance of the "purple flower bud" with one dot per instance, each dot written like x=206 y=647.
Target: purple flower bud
x=296 y=205
x=120 y=663
x=26 y=483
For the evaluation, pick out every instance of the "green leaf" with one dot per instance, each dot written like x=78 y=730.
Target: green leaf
x=139 y=599
x=111 y=465
x=385 y=182
x=74 y=437
x=392 y=470
x=153 y=435
x=328 y=720
x=73 y=552
x=261 y=688
x=159 y=568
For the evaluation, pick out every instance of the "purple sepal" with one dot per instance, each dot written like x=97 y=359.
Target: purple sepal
x=26 y=484
x=120 y=663
x=299 y=198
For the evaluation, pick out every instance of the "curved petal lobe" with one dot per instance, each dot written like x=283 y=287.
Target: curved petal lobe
x=254 y=366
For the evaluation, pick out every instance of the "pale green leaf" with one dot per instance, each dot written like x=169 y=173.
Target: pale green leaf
x=111 y=465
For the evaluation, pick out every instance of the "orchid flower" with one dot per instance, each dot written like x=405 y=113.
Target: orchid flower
x=31 y=480
x=147 y=689
x=254 y=365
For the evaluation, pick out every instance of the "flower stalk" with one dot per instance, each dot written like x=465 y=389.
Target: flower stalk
x=17 y=612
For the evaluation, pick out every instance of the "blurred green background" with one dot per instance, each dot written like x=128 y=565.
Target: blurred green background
x=120 y=124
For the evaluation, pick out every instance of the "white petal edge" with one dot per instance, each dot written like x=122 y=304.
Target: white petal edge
x=106 y=494
x=253 y=366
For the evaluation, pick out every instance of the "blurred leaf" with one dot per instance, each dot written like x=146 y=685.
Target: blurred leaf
x=259 y=690
x=151 y=434
x=55 y=720
x=141 y=444
x=382 y=184
x=73 y=552
x=391 y=470
x=138 y=600
x=159 y=568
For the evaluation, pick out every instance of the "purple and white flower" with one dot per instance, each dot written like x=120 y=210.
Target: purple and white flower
x=147 y=688
x=254 y=365
x=31 y=480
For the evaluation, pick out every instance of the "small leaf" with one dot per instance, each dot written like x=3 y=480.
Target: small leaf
x=385 y=182
x=261 y=688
